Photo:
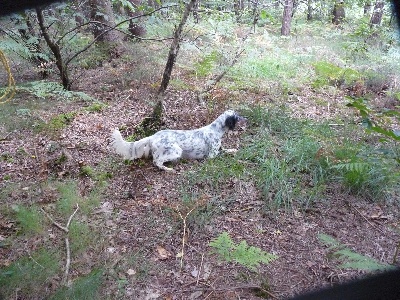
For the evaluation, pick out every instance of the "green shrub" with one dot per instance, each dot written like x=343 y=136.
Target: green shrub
x=330 y=74
x=206 y=65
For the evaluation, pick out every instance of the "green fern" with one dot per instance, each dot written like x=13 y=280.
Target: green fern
x=247 y=256
x=351 y=259
x=44 y=89
x=359 y=167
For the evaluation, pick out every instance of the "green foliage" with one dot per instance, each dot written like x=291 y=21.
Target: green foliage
x=28 y=277
x=86 y=287
x=247 y=256
x=374 y=121
x=44 y=89
x=57 y=123
x=81 y=237
x=96 y=107
x=351 y=259
x=330 y=74
x=87 y=171
x=69 y=197
x=206 y=65
x=30 y=219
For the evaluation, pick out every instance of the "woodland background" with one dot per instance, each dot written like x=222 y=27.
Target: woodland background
x=310 y=199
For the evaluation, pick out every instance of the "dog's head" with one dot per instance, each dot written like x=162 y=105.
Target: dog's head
x=232 y=118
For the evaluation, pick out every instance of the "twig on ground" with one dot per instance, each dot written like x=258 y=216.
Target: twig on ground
x=67 y=263
x=58 y=225
x=184 y=231
x=396 y=252
x=368 y=221
x=228 y=288
x=5 y=137
x=201 y=266
x=67 y=247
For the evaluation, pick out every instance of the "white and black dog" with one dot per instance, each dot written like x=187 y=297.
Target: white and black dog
x=171 y=145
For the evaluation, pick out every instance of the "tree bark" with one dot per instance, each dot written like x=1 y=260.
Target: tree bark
x=309 y=10
x=136 y=28
x=377 y=14
x=338 y=13
x=101 y=11
x=174 y=49
x=55 y=49
x=287 y=17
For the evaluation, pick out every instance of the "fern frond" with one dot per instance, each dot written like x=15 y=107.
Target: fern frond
x=358 y=167
x=223 y=246
x=247 y=256
x=351 y=259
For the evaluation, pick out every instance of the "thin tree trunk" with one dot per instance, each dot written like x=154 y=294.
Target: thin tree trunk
x=101 y=11
x=55 y=49
x=309 y=10
x=174 y=49
x=287 y=17
x=339 y=13
x=377 y=14
x=155 y=120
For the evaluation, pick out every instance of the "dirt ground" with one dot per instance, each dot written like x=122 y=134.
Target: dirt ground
x=139 y=213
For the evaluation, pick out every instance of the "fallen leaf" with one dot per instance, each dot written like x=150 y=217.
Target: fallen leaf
x=195 y=272
x=131 y=272
x=162 y=253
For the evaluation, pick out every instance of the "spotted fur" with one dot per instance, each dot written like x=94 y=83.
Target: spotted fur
x=171 y=145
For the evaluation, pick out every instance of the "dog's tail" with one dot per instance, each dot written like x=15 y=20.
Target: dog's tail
x=130 y=150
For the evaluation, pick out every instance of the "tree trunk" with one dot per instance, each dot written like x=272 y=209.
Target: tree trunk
x=174 y=49
x=377 y=14
x=33 y=45
x=238 y=7
x=101 y=11
x=287 y=17
x=338 y=13
x=136 y=28
x=55 y=49
x=367 y=8
x=309 y=10
x=155 y=120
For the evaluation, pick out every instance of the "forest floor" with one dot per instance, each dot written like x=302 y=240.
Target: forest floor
x=138 y=223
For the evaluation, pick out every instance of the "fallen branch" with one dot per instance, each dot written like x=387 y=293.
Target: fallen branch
x=58 y=225
x=184 y=231
x=67 y=247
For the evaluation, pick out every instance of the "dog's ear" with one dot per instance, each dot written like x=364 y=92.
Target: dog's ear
x=230 y=122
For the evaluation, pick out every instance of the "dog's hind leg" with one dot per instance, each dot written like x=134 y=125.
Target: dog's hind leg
x=166 y=153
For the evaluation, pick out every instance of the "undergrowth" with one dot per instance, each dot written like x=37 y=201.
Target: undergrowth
x=292 y=161
x=30 y=275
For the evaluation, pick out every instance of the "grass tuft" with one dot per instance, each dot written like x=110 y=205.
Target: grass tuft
x=86 y=287
x=29 y=276
x=30 y=219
